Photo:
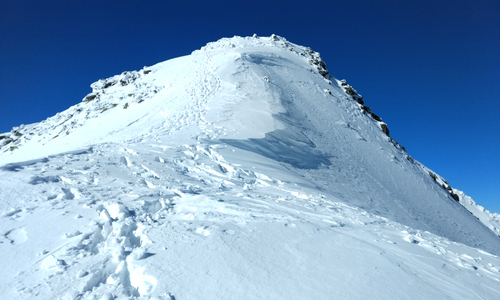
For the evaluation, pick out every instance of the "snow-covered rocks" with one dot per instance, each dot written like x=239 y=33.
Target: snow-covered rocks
x=312 y=57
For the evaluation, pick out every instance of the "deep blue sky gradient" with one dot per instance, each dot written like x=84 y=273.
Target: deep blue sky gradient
x=429 y=68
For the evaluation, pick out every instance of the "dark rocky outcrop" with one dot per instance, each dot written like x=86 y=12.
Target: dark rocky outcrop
x=384 y=128
x=375 y=117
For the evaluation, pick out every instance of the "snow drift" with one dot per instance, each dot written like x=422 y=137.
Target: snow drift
x=241 y=171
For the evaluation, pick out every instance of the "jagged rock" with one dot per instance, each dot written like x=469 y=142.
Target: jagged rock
x=384 y=128
x=375 y=117
x=89 y=97
x=366 y=109
x=350 y=91
x=433 y=176
x=108 y=84
x=455 y=196
x=318 y=63
x=446 y=186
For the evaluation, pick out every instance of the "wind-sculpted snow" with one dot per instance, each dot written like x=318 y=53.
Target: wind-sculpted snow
x=242 y=171
x=287 y=151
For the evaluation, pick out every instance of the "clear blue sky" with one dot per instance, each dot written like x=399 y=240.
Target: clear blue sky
x=429 y=68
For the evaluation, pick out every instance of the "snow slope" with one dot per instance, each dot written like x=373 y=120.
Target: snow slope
x=241 y=171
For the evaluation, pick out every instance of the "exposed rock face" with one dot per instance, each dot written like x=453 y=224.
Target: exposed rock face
x=350 y=91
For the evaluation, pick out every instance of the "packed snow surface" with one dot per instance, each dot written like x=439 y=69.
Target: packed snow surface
x=241 y=171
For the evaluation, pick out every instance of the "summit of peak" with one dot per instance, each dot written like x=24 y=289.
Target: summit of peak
x=272 y=42
x=248 y=41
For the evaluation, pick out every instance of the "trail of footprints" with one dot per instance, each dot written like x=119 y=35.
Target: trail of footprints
x=206 y=84
x=130 y=192
x=133 y=190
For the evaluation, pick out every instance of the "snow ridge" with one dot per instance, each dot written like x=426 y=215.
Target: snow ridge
x=274 y=41
x=117 y=92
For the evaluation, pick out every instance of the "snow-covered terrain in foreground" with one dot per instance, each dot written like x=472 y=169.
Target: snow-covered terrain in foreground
x=242 y=171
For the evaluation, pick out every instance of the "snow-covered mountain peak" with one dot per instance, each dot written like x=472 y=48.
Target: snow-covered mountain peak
x=261 y=94
x=164 y=94
x=274 y=41
x=254 y=41
x=241 y=171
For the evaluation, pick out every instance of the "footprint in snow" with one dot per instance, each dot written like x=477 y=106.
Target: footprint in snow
x=16 y=236
x=13 y=212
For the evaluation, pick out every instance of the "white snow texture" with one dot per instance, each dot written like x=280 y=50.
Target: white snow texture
x=241 y=171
